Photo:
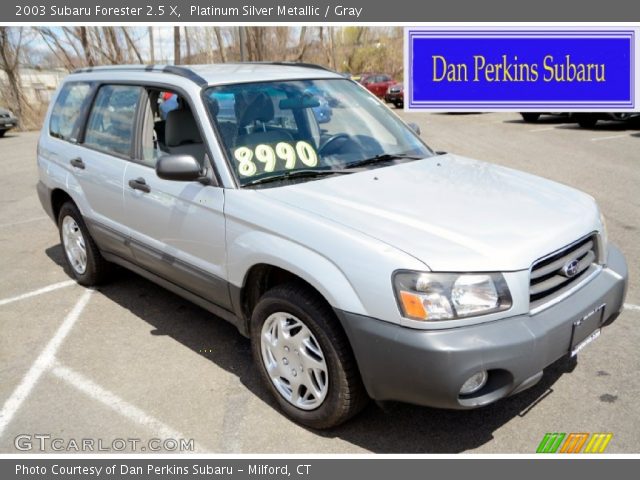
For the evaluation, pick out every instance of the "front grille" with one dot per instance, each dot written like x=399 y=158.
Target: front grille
x=4 y=115
x=558 y=272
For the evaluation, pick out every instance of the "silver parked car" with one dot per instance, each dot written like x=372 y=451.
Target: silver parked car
x=360 y=263
x=7 y=121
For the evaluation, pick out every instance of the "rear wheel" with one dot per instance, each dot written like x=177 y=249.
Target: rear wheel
x=304 y=357
x=80 y=251
x=530 y=117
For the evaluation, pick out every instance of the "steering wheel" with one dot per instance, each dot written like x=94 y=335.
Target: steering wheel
x=332 y=139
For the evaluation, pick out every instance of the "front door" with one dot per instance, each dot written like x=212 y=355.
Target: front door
x=177 y=228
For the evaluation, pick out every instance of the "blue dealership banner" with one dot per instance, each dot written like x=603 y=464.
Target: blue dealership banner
x=521 y=69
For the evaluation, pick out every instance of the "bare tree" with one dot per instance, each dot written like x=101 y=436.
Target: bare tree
x=187 y=41
x=55 y=45
x=256 y=43
x=302 y=45
x=152 y=55
x=132 y=46
x=10 y=50
x=176 y=46
x=220 y=42
x=86 y=47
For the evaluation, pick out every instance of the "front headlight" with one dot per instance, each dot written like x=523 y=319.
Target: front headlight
x=447 y=296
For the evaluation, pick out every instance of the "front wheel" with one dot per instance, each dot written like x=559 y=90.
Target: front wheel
x=304 y=357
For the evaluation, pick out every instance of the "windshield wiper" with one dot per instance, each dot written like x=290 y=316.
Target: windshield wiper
x=294 y=174
x=383 y=157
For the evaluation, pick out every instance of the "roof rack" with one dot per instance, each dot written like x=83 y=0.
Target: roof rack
x=184 y=72
x=288 y=64
x=188 y=73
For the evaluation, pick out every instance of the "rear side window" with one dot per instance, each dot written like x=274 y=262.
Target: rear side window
x=112 y=118
x=65 y=116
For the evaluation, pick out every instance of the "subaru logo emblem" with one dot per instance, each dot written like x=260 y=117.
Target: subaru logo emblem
x=570 y=269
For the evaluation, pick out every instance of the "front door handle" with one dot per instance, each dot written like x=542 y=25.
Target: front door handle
x=139 y=184
x=77 y=163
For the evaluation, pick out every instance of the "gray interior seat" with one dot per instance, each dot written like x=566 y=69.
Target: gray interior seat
x=182 y=135
x=259 y=109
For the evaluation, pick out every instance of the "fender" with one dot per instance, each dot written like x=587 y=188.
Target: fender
x=255 y=247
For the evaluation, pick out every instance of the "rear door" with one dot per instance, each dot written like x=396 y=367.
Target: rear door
x=177 y=228
x=100 y=159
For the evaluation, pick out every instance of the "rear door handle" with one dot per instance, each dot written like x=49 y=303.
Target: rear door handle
x=139 y=184
x=77 y=163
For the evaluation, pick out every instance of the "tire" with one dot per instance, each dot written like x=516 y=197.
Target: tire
x=344 y=394
x=399 y=104
x=587 y=121
x=530 y=117
x=96 y=269
x=2 y=132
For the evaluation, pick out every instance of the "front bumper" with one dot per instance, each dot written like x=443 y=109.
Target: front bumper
x=428 y=367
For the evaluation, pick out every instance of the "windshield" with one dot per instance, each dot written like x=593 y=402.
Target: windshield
x=271 y=130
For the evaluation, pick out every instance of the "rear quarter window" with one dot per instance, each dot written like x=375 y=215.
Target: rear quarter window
x=64 y=122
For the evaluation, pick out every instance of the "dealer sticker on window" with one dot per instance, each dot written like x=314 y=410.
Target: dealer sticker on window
x=267 y=157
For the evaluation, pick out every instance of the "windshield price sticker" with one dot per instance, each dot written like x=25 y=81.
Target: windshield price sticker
x=267 y=157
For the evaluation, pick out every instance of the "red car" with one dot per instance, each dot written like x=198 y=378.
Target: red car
x=377 y=83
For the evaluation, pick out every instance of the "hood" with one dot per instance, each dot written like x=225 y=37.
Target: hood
x=451 y=212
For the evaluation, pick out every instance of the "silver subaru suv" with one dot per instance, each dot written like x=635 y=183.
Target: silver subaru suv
x=292 y=203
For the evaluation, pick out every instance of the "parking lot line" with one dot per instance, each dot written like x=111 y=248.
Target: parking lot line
x=610 y=137
x=40 y=291
x=114 y=402
x=20 y=222
x=42 y=363
x=544 y=129
x=631 y=306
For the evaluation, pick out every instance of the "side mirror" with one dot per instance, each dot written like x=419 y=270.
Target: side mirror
x=414 y=126
x=180 y=167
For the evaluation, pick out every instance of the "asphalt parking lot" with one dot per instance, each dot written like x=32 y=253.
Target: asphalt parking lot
x=132 y=361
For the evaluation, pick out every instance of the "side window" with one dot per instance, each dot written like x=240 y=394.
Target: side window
x=64 y=121
x=112 y=118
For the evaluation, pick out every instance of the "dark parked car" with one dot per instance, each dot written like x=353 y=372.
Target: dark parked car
x=7 y=121
x=589 y=119
x=584 y=119
x=532 y=117
x=377 y=83
x=395 y=95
